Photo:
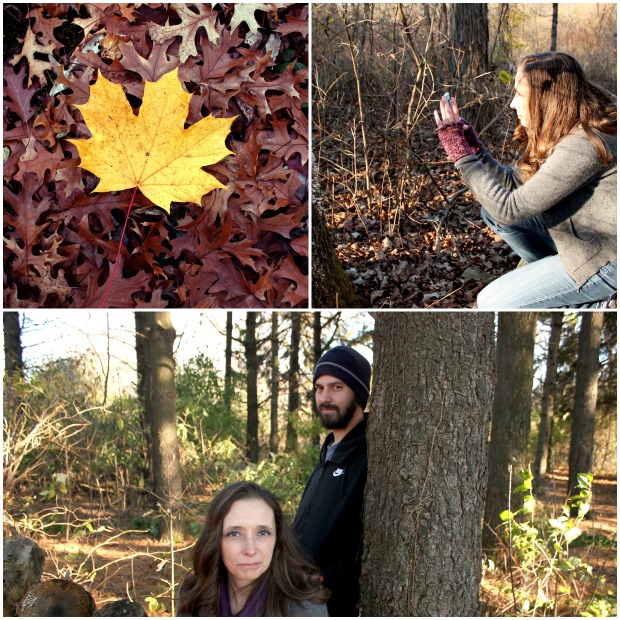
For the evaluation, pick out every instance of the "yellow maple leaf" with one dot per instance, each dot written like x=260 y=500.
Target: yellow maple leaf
x=151 y=151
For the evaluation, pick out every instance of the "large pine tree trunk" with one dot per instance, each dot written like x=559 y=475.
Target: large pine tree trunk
x=156 y=334
x=427 y=463
x=547 y=404
x=511 y=414
x=275 y=382
x=586 y=390
x=293 y=383
x=13 y=354
x=251 y=361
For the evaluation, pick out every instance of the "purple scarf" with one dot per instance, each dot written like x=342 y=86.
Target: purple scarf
x=254 y=606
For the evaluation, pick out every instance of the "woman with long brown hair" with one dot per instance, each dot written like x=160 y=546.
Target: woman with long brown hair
x=557 y=207
x=247 y=563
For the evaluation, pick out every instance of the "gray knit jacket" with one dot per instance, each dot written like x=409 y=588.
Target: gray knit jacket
x=573 y=190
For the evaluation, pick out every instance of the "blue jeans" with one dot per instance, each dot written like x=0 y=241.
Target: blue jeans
x=543 y=282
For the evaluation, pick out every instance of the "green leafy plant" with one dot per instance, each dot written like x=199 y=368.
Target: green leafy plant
x=284 y=474
x=545 y=572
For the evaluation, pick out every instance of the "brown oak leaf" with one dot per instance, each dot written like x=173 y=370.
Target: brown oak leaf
x=151 y=68
x=20 y=98
x=31 y=46
x=190 y=23
x=27 y=211
x=120 y=294
x=281 y=143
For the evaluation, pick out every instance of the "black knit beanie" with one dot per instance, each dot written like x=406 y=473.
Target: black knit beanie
x=350 y=367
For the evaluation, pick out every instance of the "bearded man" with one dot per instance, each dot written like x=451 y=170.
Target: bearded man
x=329 y=520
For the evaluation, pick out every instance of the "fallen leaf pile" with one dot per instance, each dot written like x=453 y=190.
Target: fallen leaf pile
x=239 y=71
x=409 y=248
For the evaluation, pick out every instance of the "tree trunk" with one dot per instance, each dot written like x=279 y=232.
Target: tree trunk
x=586 y=390
x=293 y=383
x=158 y=335
x=141 y=322
x=511 y=415
x=547 y=404
x=427 y=464
x=554 y=28
x=228 y=374
x=469 y=34
x=317 y=351
x=275 y=383
x=251 y=361
x=13 y=354
x=331 y=288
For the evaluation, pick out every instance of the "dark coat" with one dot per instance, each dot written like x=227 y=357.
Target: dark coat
x=329 y=520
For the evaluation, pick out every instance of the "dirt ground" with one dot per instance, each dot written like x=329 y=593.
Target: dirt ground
x=121 y=562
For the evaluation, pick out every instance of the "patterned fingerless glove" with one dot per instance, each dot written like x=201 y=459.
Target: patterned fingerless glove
x=472 y=137
x=453 y=139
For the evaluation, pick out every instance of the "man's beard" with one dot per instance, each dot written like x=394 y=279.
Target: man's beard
x=343 y=418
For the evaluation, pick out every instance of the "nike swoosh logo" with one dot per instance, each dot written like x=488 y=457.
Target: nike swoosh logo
x=338 y=472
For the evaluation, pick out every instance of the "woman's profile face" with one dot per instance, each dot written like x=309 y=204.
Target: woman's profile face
x=521 y=100
x=248 y=541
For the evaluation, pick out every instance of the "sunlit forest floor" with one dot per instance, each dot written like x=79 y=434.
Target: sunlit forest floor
x=123 y=561
x=601 y=530
x=422 y=243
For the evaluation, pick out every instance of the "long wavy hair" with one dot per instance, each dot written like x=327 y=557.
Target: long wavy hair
x=561 y=99
x=290 y=576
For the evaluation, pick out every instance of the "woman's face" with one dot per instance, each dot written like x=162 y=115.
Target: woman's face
x=248 y=541
x=521 y=100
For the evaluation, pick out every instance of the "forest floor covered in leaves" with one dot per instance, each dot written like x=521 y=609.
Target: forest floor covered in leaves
x=421 y=243
x=123 y=561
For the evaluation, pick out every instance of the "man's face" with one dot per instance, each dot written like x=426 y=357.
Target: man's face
x=336 y=402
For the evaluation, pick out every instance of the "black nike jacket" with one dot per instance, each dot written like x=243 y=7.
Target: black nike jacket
x=329 y=520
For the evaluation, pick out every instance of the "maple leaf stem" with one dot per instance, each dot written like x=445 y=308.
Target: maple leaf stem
x=120 y=247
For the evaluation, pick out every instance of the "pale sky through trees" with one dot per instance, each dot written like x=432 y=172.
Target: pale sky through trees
x=48 y=335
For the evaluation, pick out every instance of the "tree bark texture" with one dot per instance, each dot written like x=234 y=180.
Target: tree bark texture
x=293 y=382
x=140 y=320
x=331 y=288
x=251 y=360
x=317 y=351
x=427 y=463
x=547 y=404
x=586 y=391
x=228 y=373
x=160 y=403
x=13 y=354
x=469 y=35
x=275 y=383
x=554 y=28
x=512 y=405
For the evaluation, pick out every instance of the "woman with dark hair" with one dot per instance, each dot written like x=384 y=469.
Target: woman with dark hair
x=557 y=207
x=247 y=563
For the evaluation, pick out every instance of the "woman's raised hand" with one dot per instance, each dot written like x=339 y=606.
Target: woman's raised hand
x=445 y=118
x=448 y=112
x=451 y=130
